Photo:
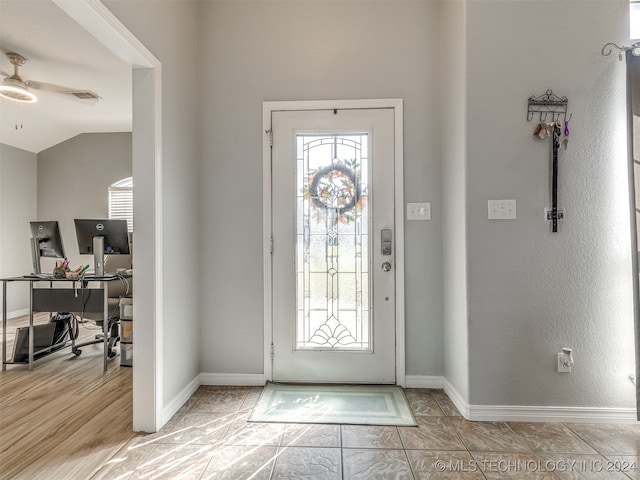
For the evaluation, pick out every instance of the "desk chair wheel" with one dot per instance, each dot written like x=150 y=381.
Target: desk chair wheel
x=76 y=351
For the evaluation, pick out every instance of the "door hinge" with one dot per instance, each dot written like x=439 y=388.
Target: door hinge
x=270 y=134
x=271 y=245
x=272 y=351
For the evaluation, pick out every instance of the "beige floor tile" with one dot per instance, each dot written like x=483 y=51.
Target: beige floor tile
x=608 y=438
x=580 y=467
x=257 y=434
x=174 y=462
x=432 y=433
x=253 y=395
x=309 y=435
x=367 y=436
x=187 y=405
x=489 y=436
x=423 y=404
x=363 y=464
x=210 y=438
x=446 y=405
x=219 y=401
x=550 y=438
x=122 y=466
x=308 y=463
x=240 y=463
x=430 y=464
x=511 y=465
x=199 y=428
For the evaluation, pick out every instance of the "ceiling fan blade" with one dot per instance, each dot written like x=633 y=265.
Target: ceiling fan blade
x=86 y=96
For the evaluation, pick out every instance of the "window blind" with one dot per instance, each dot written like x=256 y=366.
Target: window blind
x=121 y=201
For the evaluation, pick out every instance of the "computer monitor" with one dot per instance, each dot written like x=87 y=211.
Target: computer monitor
x=46 y=241
x=43 y=335
x=100 y=237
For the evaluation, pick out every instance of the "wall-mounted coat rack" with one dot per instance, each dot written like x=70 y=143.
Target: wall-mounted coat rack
x=552 y=111
x=549 y=106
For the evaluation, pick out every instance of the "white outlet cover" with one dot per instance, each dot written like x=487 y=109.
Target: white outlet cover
x=419 y=211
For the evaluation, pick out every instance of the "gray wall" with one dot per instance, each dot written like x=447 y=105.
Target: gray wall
x=169 y=30
x=259 y=51
x=514 y=294
x=73 y=179
x=454 y=195
x=530 y=291
x=17 y=208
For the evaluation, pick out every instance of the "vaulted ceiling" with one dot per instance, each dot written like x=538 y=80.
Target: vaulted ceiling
x=62 y=53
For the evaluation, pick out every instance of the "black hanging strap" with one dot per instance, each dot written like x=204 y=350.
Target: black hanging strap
x=554 y=177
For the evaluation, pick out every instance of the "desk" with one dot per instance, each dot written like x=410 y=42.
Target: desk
x=76 y=296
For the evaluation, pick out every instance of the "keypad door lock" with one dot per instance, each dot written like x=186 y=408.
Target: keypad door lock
x=386 y=242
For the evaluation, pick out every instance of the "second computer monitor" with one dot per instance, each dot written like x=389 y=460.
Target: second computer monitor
x=102 y=237
x=46 y=241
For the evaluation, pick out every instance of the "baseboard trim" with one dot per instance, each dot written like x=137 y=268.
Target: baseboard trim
x=176 y=403
x=233 y=379
x=456 y=398
x=424 y=381
x=507 y=413
x=517 y=413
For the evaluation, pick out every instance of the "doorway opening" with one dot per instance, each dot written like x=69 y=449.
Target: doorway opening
x=334 y=241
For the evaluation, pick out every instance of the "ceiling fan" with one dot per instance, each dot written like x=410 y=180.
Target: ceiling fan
x=14 y=88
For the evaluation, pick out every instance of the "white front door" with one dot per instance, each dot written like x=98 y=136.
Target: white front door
x=333 y=260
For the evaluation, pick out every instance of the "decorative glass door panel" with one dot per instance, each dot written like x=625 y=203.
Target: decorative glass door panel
x=333 y=303
x=332 y=242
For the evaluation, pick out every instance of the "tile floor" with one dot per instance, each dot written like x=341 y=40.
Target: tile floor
x=210 y=438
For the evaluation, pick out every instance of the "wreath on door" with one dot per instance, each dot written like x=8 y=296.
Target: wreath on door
x=334 y=191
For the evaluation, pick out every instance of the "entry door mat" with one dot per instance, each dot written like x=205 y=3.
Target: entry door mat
x=343 y=404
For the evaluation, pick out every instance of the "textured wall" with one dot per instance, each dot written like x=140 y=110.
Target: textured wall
x=169 y=30
x=73 y=178
x=258 y=51
x=530 y=291
x=453 y=106
x=18 y=170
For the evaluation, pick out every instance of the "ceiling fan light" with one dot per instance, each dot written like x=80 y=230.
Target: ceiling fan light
x=16 y=90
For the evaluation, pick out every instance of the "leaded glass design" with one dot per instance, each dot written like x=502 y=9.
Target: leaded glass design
x=332 y=242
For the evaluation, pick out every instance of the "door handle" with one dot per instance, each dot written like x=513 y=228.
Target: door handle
x=386 y=241
x=386 y=266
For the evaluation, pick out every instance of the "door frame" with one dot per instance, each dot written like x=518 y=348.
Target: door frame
x=99 y=21
x=267 y=109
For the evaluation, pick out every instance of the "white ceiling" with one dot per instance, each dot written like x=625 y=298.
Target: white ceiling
x=60 y=52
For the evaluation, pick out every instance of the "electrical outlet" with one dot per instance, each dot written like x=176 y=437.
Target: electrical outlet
x=502 y=209
x=562 y=366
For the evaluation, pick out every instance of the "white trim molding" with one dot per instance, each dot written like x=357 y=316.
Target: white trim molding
x=424 y=381
x=99 y=21
x=233 y=379
x=176 y=403
x=525 y=413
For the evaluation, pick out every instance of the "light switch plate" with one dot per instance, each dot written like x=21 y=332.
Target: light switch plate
x=418 y=211
x=502 y=209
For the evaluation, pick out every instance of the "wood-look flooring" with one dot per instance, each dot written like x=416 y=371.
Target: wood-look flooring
x=67 y=417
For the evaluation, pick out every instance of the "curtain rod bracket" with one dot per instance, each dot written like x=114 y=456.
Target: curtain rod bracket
x=607 y=50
